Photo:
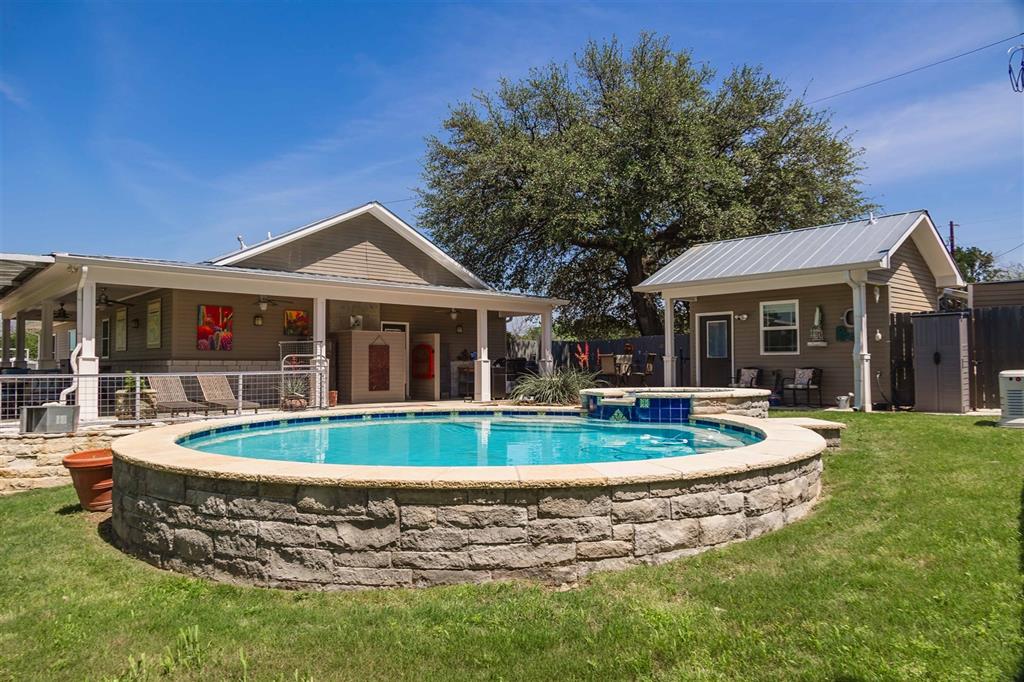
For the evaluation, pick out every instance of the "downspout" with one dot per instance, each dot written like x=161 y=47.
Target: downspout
x=73 y=361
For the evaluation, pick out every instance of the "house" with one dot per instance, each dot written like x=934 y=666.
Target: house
x=334 y=288
x=818 y=297
x=994 y=294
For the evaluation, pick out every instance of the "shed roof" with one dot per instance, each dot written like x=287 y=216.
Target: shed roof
x=853 y=244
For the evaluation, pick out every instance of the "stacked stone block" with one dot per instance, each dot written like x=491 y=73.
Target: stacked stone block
x=333 y=537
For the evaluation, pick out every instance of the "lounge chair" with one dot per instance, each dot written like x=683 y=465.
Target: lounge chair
x=170 y=395
x=804 y=379
x=217 y=392
x=606 y=367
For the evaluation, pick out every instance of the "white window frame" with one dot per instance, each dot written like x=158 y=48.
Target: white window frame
x=105 y=337
x=761 y=329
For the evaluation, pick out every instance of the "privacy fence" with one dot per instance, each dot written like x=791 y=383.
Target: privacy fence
x=565 y=353
x=981 y=342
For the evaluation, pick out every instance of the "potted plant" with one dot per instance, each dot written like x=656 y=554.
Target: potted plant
x=92 y=473
x=124 y=399
x=293 y=393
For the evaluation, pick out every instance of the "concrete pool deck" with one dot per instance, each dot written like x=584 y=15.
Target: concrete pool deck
x=334 y=526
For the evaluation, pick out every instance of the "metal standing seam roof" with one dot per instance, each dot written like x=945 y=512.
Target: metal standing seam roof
x=821 y=247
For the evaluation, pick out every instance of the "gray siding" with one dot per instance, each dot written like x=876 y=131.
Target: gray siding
x=361 y=247
x=991 y=294
x=836 y=359
x=911 y=283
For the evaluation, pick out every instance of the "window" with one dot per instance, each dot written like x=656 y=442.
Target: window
x=72 y=339
x=105 y=338
x=718 y=339
x=153 y=324
x=780 y=333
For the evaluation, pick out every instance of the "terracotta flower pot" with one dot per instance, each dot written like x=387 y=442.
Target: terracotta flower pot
x=92 y=472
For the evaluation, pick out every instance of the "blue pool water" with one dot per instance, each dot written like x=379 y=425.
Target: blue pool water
x=478 y=440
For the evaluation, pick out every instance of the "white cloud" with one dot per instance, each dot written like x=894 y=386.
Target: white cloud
x=13 y=95
x=949 y=132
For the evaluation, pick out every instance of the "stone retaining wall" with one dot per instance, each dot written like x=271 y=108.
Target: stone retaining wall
x=747 y=407
x=332 y=537
x=34 y=461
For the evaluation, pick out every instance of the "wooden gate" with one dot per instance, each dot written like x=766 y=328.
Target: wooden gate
x=997 y=343
x=901 y=359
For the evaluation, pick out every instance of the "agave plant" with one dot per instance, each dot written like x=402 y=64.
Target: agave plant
x=560 y=388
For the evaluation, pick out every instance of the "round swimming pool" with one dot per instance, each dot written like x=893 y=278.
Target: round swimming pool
x=432 y=495
x=466 y=440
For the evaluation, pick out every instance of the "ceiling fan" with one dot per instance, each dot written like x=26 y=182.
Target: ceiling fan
x=265 y=301
x=60 y=313
x=103 y=300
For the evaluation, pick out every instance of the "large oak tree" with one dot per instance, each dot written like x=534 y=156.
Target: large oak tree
x=581 y=182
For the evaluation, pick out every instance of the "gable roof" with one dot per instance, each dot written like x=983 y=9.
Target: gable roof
x=865 y=244
x=375 y=209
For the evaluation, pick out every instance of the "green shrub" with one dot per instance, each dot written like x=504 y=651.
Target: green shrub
x=560 y=388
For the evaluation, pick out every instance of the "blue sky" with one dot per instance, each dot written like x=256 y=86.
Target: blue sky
x=165 y=129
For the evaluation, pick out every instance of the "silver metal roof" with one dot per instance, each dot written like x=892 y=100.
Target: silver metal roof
x=824 y=247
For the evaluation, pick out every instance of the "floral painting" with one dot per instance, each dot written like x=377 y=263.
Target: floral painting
x=296 y=323
x=215 y=327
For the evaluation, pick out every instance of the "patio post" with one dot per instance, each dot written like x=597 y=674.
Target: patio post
x=320 y=348
x=19 y=340
x=544 y=358
x=482 y=366
x=861 y=356
x=87 y=393
x=46 y=359
x=5 y=345
x=670 y=342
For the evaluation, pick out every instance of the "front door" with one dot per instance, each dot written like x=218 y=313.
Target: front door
x=716 y=350
x=402 y=327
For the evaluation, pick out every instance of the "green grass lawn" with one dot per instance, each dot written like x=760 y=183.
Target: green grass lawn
x=909 y=569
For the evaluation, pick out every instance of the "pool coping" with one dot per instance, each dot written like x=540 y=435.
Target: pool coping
x=608 y=395
x=158 y=449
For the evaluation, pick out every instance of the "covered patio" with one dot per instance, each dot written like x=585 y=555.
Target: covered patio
x=371 y=341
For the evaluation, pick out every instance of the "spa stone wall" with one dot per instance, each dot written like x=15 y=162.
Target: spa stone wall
x=328 y=537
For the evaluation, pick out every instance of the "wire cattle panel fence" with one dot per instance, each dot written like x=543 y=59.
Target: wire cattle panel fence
x=131 y=397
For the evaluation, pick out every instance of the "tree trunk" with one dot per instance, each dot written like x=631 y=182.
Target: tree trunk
x=645 y=311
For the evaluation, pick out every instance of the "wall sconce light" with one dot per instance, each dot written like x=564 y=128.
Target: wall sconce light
x=878 y=335
x=257 y=320
x=453 y=313
x=878 y=293
x=742 y=317
x=135 y=323
x=458 y=329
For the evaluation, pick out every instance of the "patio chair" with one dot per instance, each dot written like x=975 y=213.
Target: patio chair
x=804 y=379
x=217 y=392
x=170 y=395
x=747 y=377
x=649 y=367
x=606 y=366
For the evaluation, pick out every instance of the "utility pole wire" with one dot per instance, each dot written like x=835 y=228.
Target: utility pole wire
x=915 y=70
x=1008 y=250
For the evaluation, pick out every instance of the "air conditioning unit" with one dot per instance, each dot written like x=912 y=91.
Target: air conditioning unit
x=1011 y=398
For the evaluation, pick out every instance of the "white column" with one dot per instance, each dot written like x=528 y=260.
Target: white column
x=482 y=366
x=544 y=357
x=5 y=345
x=88 y=391
x=19 y=340
x=670 y=342
x=320 y=349
x=861 y=356
x=46 y=359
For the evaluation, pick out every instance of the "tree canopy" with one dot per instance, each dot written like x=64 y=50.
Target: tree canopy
x=581 y=182
x=976 y=264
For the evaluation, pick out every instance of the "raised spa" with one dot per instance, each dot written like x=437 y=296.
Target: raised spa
x=414 y=497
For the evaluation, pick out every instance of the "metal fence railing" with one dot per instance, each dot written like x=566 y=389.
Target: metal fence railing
x=140 y=398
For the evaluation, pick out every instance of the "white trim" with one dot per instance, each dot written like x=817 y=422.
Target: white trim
x=732 y=342
x=378 y=211
x=761 y=329
x=931 y=250
x=405 y=326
